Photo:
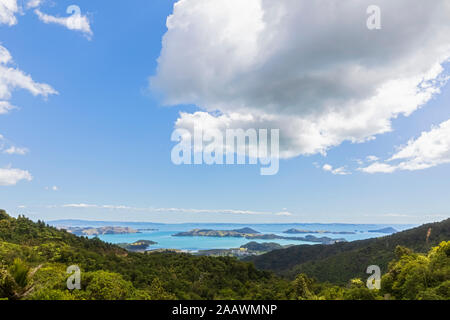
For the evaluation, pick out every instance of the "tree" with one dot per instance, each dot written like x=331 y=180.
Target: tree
x=302 y=287
x=16 y=282
x=419 y=276
x=357 y=290
x=103 y=285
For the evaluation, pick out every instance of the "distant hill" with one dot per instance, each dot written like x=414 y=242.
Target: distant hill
x=246 y=230
x=264 y=246
x=340 y=262
x=88 y=231
x=140 y=245
x=249 y=233
x=384 y=230
x=294 y=231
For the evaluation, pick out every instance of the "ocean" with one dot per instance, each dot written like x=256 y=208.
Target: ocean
x=165 y=239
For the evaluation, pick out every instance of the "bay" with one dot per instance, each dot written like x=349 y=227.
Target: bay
x=165 y=239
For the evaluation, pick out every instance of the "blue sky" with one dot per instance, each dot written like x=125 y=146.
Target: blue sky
x=104 y=142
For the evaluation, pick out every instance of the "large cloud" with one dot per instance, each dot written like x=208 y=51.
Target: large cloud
x=310 y=68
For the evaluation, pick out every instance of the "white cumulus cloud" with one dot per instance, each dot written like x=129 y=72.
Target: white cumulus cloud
x=6 y=107
x=372 y=158
x=310 y=68
x=430 y=149
x=10 y=176
x=12 y=78
x=8 y=11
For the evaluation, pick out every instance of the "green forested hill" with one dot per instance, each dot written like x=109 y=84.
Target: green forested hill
x=340 y=262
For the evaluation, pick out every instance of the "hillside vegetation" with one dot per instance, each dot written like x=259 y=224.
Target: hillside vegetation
x=110 y=272
x=34 y=258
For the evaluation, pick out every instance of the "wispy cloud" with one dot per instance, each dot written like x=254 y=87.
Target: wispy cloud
x=6 y=107
x=410 y=216
x=12 y=78
x=16 y=150
x=76 y=21
x=173 y=210
x=337 y=171
x=7 y=148
x=33 y=3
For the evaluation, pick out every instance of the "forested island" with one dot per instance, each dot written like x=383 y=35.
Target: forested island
x=249 y=249
x=137 y=246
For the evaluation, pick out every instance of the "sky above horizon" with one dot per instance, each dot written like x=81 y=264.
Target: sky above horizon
x=89 y=100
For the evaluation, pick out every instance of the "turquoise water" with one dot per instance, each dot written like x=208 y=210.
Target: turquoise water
x=164 y=234
x=166 y=240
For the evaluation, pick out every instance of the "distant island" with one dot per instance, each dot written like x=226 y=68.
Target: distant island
x=264 y=246
x=138 y=246
x=249 y=233
x=318 y=231
x=385 y=230
x=89 y=231
x=239 y=233
x=249 y=249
